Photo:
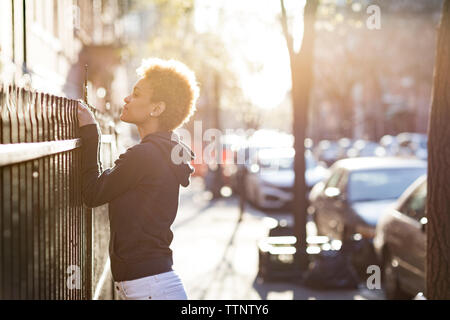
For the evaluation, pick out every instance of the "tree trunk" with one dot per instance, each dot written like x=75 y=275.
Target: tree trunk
x=438 y=202
x=302 y=78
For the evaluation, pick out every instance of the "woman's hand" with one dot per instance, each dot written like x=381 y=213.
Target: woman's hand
x=85 y=116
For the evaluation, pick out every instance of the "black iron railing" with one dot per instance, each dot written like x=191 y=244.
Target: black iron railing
x=46 y=249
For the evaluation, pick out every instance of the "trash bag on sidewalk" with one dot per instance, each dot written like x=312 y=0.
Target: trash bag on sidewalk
x=332 y=270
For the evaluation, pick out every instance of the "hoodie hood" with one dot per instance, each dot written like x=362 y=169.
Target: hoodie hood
x=179 y=153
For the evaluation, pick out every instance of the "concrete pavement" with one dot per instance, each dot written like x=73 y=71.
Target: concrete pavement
x=217 y=257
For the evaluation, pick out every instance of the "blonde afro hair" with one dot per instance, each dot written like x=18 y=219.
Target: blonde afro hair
x=173 y=83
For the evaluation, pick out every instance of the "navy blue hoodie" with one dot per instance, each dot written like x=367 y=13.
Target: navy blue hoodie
x=142 y=190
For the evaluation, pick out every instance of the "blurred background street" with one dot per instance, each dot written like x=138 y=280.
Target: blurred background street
x=320 y=136
x=216 y=256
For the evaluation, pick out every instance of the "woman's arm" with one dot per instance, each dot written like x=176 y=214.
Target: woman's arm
x=100 y=187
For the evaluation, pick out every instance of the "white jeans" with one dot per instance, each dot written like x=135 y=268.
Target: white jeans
x=163 y=286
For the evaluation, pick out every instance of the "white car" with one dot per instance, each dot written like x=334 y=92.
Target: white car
x=270 y=179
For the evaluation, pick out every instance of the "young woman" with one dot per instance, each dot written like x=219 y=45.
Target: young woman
x=142 y=189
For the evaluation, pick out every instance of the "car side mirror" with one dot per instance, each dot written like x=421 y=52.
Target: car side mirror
x=423 y=224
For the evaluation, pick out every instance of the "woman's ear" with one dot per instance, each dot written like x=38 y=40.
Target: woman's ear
x=158 y=108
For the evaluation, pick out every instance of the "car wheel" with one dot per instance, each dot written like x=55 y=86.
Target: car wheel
x=390 y=281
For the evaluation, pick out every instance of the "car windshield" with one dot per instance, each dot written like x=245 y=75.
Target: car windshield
x=382 y=184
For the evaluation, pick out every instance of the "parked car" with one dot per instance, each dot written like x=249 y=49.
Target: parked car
x=365 y=148
x=246 y=150
x=207 y=166
x=390 y=145
x=270 y=179
x=406 y=144
x=414 y=144
x=400 y=243
x=348 y=205
x=345 y=144
x=327 y=151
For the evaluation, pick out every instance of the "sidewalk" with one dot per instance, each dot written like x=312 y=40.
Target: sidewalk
x=217 y=258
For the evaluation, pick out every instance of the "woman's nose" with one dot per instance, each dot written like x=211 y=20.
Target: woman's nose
x=127 y=99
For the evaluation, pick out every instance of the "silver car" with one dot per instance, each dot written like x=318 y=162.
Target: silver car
x=270 y=180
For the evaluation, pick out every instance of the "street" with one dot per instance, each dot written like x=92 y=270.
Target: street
x=217 y=257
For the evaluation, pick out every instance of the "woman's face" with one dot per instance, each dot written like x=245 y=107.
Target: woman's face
x=138 y=108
